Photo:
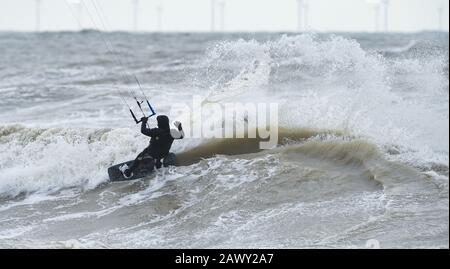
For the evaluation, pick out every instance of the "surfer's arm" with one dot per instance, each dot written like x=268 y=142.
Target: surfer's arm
x=177 y=134
x=146 y=131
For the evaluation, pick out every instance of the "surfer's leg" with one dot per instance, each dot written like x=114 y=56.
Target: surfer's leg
x=158 y=163
x=138 y=160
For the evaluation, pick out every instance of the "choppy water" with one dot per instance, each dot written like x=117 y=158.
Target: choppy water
x=363 y=147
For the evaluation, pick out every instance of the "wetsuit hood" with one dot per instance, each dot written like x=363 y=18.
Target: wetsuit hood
x=163 y=122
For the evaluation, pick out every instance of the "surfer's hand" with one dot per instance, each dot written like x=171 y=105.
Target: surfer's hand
x=144 y=119
x=177 y=124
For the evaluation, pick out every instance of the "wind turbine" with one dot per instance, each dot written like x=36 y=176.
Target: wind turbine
x=213 y=15
x=79 y=10
x=385 y=4
x=302 y=15
x=380 y=10
x=38 y=15
x=159 y=13
x=299 y=15
x=135 y=14
x=222 y=15
x=305 y=15
x=440 y=11
x=377 y=11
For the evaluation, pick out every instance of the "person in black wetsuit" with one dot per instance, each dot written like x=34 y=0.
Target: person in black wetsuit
x=160 y=143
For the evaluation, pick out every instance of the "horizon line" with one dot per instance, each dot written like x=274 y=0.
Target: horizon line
x=220 y=32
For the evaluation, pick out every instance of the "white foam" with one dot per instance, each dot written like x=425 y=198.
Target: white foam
x=45 y=161
x=333 y=83
x=15 y=232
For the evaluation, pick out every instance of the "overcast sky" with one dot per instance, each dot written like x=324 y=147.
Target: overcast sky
x=239 y=15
